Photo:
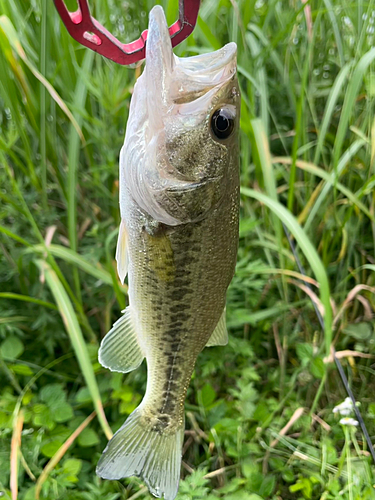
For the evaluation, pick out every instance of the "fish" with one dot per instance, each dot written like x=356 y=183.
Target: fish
x=178 y=240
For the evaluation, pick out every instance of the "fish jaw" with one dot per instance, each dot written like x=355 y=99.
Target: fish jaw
x=160 y=62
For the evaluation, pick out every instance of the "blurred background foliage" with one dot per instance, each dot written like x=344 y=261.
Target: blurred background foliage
x=260 y=423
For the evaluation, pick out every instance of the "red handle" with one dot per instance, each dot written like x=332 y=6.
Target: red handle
x=89 y=32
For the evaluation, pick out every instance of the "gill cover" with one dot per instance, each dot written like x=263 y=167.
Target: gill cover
x=172 y=99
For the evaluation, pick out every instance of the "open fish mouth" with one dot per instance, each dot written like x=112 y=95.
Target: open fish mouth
x=180 y=77
x=209 y=69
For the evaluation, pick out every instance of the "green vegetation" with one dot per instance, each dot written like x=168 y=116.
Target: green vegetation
x=260 y=421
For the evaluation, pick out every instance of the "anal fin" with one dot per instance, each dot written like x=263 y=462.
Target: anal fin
x=120 y=350
x=220 y=334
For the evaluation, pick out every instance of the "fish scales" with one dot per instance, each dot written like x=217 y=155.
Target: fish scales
x=178 y=238
x=187 y=300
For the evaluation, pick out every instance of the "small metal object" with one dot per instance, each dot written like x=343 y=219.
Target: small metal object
x=89 y=32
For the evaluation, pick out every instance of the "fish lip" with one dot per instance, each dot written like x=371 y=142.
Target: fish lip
x=211 y=68
x=158 y=31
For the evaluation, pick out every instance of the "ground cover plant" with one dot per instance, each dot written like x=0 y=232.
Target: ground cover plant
x=260 y=412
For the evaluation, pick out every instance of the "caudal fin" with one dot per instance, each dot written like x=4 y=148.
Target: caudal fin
x=139 y=450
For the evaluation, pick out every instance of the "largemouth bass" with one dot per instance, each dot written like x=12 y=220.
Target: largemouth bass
x=179 y=201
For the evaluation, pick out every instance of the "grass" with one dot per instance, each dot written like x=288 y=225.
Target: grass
x=259 y=411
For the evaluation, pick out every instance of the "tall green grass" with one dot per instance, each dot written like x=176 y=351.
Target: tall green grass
x=259 y=420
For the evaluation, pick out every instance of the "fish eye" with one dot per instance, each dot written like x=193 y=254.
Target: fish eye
x=222 y=123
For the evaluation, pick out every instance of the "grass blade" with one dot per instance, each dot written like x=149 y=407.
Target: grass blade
x=263 y=155
x=77 y=260
x=309 y=251
x=8 y=29
x=329 y=109
x=26 y=298
x=15 y=448
x=80 y=94
x=355 y=82
x=74 y=331
x=329 y=177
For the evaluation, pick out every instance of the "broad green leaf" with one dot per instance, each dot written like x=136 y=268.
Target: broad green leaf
x=208 y=395
x=83 y=395
x=87 y=438
x=12 y=348
x=50 y=448
x=72 y=466
x=62 y=412
x=360 y=331
x=317 y=368
x=304 y=351
x=22 y=370
x=52 y=394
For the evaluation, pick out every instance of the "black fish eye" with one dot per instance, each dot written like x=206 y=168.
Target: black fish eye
x=222 y=123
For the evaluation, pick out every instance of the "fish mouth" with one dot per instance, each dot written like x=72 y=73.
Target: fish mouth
x=195 y=76
x=172 y=79
x=212 y=68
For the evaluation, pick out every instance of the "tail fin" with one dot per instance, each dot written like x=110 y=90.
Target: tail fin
x=139 y=450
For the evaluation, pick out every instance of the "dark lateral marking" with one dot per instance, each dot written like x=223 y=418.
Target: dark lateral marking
x=163 y=422
x=195 y=248
x=169 y=386
x=174 y=346
x=172 y=332
x=168 y=405
x=179 y=293
x=170 y=361
x=182 y=272
x=180 y=282
x=179 y=316
x=164 y=419
x=184 y=261
x=179 y=307
x=174 y=324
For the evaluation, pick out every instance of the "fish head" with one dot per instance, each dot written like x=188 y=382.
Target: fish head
x=181 y=145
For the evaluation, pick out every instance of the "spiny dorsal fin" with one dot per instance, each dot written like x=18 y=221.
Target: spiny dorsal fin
x=220 y=334
x=122 y=252
x=120 y=350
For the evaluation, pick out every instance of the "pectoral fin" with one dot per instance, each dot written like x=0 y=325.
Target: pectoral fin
x=120 y=350
x=220 y=334
x=122 y=252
